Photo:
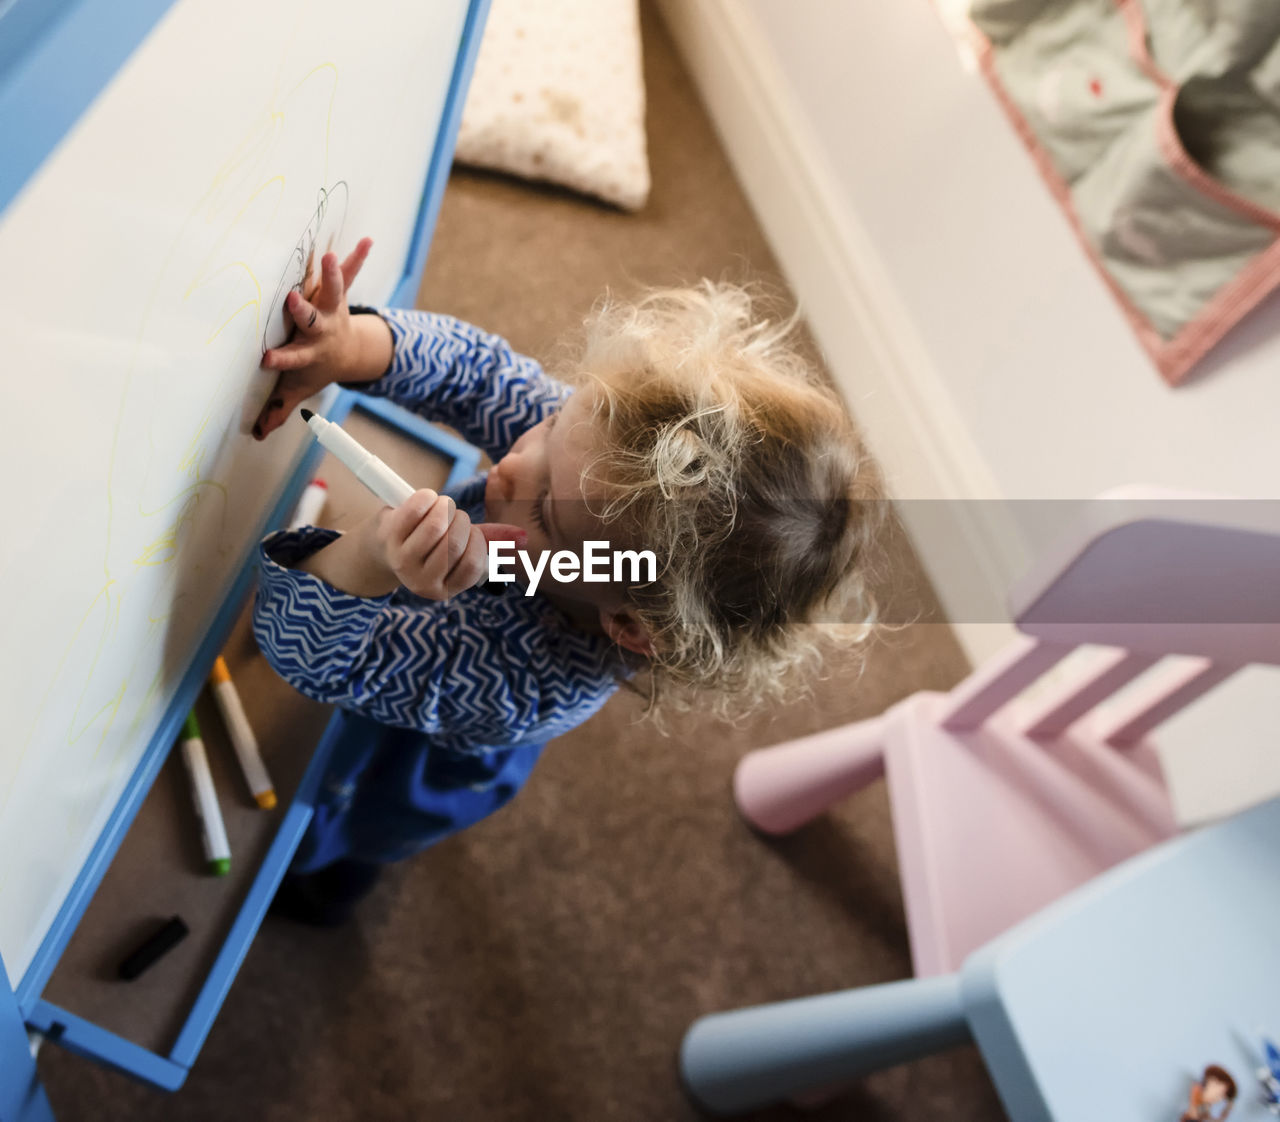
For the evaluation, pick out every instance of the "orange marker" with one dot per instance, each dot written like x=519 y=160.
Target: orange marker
x=242 y=738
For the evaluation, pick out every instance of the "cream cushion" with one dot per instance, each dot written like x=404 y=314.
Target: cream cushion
x=558 y=95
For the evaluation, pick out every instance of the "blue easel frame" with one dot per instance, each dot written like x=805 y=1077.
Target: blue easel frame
x=55 y=58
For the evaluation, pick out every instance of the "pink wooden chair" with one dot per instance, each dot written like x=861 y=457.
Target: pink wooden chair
x=1002 y=804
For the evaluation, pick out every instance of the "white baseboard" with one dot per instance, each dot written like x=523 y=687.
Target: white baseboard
x=872 y=349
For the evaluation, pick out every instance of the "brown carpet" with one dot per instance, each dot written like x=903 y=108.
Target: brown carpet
x=544 y=965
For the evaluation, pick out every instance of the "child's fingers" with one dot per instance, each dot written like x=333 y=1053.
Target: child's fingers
x=285 y=397
x=271 y=418
x=292 y=356
x=400 y=522
x=332 y=290
x=409 y=513
x=473 y=566
x=432 y=548
x=459 y=536
x=310 y=280
x=424 y=535
x=470 y=568
x=355 y=259
x=435 y=546
x=305 y=315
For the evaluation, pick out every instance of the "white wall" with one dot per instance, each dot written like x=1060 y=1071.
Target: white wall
x=974 y=342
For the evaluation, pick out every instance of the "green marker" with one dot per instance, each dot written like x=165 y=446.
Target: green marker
x=213 y=833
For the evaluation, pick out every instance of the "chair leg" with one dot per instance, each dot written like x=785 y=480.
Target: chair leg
x=738 y=1061
x=780 y=789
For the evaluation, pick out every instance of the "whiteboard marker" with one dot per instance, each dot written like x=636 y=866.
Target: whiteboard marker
x=370 y=470
x=241 y=732
x=310 y=505
x=214 y=834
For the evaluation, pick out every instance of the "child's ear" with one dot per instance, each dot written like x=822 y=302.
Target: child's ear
x=627 y=631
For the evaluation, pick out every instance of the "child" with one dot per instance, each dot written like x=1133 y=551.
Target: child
x=694 y=432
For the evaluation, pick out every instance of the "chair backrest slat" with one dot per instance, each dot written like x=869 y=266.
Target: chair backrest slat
x=999 y=680
x=1082 y=692
x=1159 y=700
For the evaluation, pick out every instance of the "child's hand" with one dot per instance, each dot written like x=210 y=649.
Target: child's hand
x=432 y=547
x=425 y=544
x=324 y=346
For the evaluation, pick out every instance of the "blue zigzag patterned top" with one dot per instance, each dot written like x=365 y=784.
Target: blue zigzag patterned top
x=467 y=691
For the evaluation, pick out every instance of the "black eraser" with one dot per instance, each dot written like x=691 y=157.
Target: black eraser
x=163 y=940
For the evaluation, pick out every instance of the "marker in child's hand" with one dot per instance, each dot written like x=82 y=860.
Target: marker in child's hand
x=384 y=482
x=370 y=470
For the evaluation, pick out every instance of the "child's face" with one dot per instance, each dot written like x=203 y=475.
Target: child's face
x=538 y=486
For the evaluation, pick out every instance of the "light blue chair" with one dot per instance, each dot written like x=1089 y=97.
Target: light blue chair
x=1106 y=1001
x=1104 y=1007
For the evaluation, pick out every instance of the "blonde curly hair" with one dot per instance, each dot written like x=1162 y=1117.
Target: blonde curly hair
x=722 y=453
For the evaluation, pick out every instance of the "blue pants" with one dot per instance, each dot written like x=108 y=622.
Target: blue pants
x=389 y=793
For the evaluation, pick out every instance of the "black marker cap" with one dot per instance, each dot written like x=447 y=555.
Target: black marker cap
x=165 y=939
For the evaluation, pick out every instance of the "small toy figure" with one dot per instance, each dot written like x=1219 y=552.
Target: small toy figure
x=1269 y=1077
x=1215 y=1089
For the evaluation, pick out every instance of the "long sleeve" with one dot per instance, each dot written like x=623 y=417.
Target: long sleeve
x=479 y=671
x=450 y=371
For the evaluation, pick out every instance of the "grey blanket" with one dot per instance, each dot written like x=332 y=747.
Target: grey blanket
x=1157 y=123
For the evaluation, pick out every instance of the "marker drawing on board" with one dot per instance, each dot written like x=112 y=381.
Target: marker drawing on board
x=322 y=232
x=217 y=851
x=370 y=470
x=241 y=732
